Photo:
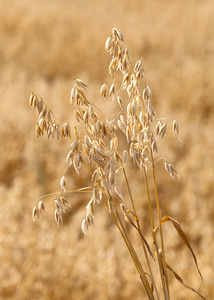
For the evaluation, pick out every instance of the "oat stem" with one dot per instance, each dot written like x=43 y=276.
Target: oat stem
x=64 y=192
x=139 y=228
x=167 y=295
x=131 y=250
x=134 y=257
x=130 y=194
x=149 y=199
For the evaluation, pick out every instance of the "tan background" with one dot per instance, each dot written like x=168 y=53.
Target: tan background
x=43 y=45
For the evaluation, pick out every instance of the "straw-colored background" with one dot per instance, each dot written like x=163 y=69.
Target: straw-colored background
x=43 y=46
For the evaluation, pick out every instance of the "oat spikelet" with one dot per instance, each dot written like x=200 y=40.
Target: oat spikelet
x=118 y=191
x=103 y=91
x=175 y=126
x=41 y=207
x=121 y=103
x=80 y=84
x=171 y=170
x=63 y=183
x=162 y=130
x=35 y=213
x=112 y=91
x=84 y=226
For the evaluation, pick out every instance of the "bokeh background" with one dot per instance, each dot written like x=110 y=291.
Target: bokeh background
x=43 y=46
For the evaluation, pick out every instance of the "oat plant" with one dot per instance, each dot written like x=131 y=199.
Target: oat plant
x=103 y=145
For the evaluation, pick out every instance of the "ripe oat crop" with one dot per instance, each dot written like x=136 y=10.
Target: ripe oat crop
x=103 y=146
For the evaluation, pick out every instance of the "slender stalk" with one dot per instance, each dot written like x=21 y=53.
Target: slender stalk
x=151 y=215
x=155 y=242
x=129 y=190
x=140 y=268
x=149 y=199
x=160 y=225
x=62 y=192
x=131 y=251
x=139 y=228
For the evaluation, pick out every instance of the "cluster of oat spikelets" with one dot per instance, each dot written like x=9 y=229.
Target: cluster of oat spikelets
x=98 y=149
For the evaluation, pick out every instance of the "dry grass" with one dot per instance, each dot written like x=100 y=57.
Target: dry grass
x=175 y=42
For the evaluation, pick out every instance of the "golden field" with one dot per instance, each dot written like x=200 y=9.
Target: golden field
x=43 y=46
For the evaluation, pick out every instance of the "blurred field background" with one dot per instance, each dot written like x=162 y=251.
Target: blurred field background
x=43 y=46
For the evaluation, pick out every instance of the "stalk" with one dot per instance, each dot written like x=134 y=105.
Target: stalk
x=132 y=252
x=155 y=243
x=136 y=259
x=161 y=230
x=149 y=199
x=139 y=228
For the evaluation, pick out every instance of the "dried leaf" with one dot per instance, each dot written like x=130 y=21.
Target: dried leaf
x=129 y=220
x=181 y=281
x=182 y=235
